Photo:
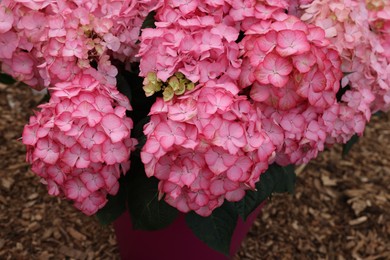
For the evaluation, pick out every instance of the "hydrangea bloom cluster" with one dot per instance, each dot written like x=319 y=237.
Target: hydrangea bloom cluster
x=206 y=146
x=360 y=31
x=45 y=42
x=281 y=76
x=216 y=130
x=293 y=77
x=79 y=142
x=196 y=39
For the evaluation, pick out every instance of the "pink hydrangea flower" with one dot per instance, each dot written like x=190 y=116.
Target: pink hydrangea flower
x=79 y=143
x=46 y=42
x=293 y=77
x=189 y=40
x=359 y=30
x=256 y=101
x=207 y=157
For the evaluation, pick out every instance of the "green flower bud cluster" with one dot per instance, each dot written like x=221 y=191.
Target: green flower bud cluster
x=175 y=85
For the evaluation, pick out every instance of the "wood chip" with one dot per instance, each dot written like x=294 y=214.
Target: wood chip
x=45 y=255
x=34 y=226
x=359 y=206
x=19 y=246
x=358 y=221
x=33 y=196
x=75 y=234
x=3 y=200
x=30 y=204
x=300 y=169
x=7 y=182
x=2 y=243
x=17 y=166
x=47 y=233
x=354 y=193
x=326 y=181
x=71 y=252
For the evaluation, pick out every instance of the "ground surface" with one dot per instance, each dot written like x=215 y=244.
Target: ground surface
x=341 y=208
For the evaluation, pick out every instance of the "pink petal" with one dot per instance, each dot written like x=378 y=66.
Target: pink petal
x=260 y=93
x=64 y=121
x=292 y=42
x=76 y=190
x=56 y=173
x=216 y=188
x=114 y=152
x=93 y=181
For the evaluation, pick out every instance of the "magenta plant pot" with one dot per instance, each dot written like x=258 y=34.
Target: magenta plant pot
x=175 y=242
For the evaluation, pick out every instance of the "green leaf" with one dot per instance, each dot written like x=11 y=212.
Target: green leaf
x=275 y=179
x=141 y=142
x=284 y=178
x=215 y=230
x=138 y=133
x=253 y=199
x=6 y=79
x=346 y=73
x=379 y=113
x=149 y=21
x=138 y=130
x=146 y=210
x=123 y=86
x=348 y=145
x=341 y=92
x=140 y=103
x=114 y=208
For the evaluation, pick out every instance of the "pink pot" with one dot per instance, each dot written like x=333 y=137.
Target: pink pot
x=175 y=242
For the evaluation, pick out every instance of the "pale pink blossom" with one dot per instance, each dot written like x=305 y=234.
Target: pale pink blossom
x=359 y=32
x=78 y=141
x=62 y=37
x=210 y=161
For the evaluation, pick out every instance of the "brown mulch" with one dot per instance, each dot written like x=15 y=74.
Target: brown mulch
x=340 y=210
